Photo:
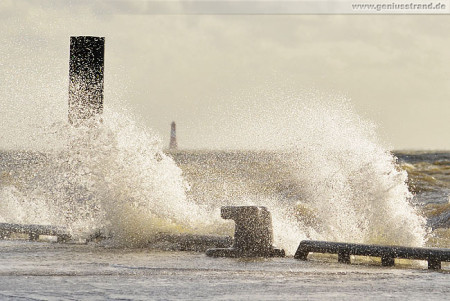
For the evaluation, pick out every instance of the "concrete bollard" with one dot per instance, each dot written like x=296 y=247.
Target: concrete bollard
x=86 y=77
x=253 y=235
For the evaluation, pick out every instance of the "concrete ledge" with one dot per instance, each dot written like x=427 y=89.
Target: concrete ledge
x=34 y=231
x=190 y=242
x=235 y=253
x=434 y=256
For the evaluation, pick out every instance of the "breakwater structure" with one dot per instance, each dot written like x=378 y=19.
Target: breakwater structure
x=62 y=234
x=434 y=256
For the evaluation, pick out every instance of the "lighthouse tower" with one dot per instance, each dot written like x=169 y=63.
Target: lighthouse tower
x=173 y=136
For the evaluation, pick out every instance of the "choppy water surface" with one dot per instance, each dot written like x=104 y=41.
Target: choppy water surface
x=41 y=271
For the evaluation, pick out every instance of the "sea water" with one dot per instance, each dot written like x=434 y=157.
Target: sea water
x=42 y=271
x=334 y=181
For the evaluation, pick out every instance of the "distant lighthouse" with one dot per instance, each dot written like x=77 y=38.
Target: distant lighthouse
x=173 y=136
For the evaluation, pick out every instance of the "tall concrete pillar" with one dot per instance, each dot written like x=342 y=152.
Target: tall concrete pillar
x=86 y=77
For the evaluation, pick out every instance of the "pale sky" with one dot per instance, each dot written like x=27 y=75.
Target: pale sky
x=208 y=72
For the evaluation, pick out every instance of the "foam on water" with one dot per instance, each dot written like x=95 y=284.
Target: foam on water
x=348 y=186
x=345 y=185
x=114 y=177
x=111 y=176
x=350 y=183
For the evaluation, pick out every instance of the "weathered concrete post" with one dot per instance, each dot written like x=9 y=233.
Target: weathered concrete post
x=253 y=236
x=86 y=77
